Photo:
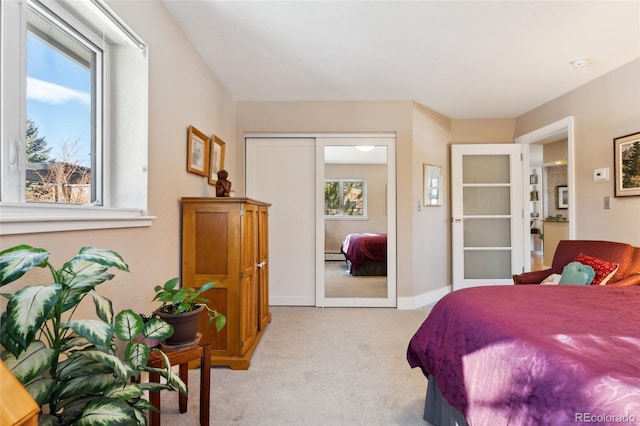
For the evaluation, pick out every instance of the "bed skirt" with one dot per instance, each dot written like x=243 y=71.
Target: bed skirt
x=437 y=410
x=370 y=267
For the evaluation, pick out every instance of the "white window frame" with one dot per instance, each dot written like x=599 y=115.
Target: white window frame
x=343 y=216
x=124 y=154
x=90 y=40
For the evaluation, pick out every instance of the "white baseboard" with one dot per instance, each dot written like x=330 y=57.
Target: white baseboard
x=334 y=256
x=423 y=299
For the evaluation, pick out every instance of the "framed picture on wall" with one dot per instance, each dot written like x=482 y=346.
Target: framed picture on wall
x=627 y=165
x=197 y=152
x=216 y=159
x=432 y=177
x=563 y=197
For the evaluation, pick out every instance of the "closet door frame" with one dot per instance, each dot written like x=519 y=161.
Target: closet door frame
x=387 y=139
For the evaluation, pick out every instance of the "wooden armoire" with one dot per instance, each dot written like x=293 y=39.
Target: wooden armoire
x=226 y=240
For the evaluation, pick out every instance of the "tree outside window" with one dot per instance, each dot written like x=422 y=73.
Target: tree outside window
x=345 y=197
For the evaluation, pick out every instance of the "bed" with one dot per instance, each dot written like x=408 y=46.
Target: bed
x=366 y=254
x=531 y=355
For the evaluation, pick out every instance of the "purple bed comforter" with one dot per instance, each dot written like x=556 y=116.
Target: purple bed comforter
x=359 y=247
x=535 y=355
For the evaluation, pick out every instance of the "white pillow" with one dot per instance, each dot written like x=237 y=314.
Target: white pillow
x=551 y=279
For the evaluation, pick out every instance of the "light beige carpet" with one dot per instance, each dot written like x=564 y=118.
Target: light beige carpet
x=315 y=366
x=339 y=283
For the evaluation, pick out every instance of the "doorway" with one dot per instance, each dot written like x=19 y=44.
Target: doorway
x=544 y=136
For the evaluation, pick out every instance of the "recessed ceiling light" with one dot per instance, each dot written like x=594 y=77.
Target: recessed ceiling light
x=579 y=63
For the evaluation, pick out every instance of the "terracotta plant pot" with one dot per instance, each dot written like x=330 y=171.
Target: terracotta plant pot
x=185 y=326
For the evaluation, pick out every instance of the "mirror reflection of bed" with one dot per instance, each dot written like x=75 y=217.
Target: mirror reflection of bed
x=363 y=276
x=361 y=268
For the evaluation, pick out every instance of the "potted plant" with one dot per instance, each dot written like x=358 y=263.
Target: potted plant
x=151 y=340
x=181 y=307
x=71 y=366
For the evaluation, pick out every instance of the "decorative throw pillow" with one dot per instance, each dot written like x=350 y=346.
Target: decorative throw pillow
x=551 y=279
x=577 y=273
x=604 y=270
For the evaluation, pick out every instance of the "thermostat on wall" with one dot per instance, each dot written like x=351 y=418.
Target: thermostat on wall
x=601 y=175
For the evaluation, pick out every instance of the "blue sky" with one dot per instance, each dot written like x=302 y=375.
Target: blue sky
x=58 y=98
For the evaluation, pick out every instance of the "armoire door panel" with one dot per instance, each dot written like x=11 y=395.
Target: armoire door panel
x=248 y=314
x=218 y=299
x=211 y=254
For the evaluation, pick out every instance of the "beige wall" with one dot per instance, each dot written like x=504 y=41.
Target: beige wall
x=431 y=249
x=555 y=152
x=423 y=136
x=603 y=109
x=495 y=130
x=345 y=117
x=182 y=91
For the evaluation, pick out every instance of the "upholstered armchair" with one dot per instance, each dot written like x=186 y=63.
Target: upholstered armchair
x=624 y=255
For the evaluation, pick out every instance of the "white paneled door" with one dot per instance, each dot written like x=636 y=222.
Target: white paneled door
x=487 y=214
x=281 y=171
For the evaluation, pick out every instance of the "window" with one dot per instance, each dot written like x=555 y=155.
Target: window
x=74 y=118
x=64 y=124
x=345 y=198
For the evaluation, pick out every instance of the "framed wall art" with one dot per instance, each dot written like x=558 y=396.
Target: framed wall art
x=197 y=152
x=626 y=157
x=562 y=197
x=432 y=176
x=216 y=159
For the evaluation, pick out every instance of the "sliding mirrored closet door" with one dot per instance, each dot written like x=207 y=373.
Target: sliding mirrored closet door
x=358 y=261
x=289 y=172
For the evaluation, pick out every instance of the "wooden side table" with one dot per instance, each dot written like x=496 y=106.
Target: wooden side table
x=181 y=357
x=17 y=407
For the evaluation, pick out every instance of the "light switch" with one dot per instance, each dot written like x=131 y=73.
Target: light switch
x=607 y=203
x=601 y=175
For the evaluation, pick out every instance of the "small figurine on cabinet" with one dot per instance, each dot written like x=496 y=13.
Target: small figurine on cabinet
x=223 y=186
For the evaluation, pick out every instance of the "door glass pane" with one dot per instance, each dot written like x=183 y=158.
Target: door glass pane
x=487 y=233
x=487 y=264
x=486 y=201
x=485 y=169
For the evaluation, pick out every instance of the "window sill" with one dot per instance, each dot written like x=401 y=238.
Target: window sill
x=30 y=219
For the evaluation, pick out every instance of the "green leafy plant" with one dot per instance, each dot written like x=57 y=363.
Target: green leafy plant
x=177 y=300
x=71 y=366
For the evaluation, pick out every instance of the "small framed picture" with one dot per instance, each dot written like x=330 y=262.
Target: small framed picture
x=627 y=165
x=216 y=159
x=197 y=152
x=432 y=181
x=563 y=197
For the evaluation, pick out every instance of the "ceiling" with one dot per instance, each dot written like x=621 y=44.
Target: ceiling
x=463 y=59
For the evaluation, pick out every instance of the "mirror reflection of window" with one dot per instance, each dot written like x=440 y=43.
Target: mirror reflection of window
x=345 y=197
